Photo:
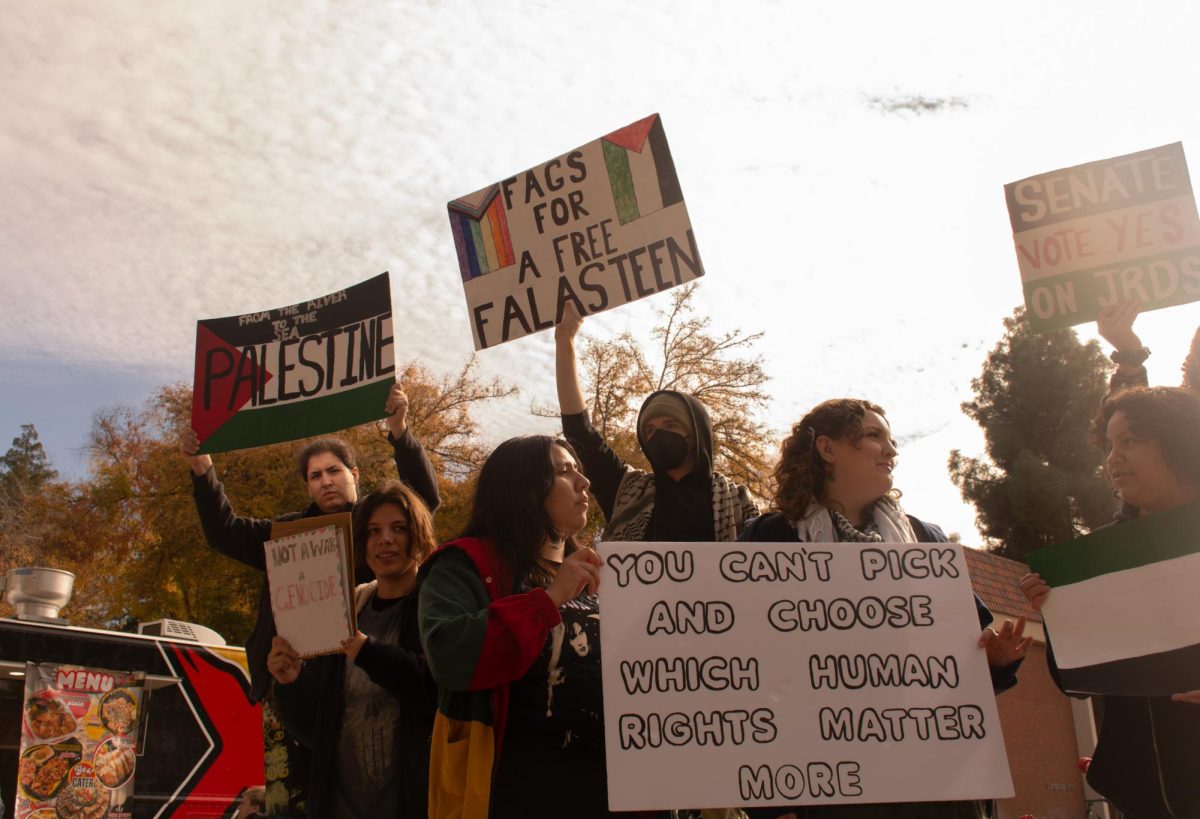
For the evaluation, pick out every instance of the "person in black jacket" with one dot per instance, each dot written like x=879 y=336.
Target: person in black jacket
x=833 y=484
x=367 y=716
x=328 y=468
x=683 y=498
x=1145 y=758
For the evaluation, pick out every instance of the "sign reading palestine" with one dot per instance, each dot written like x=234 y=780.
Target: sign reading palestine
x=278 y=375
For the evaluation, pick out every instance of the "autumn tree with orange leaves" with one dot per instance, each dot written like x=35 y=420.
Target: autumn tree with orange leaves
x=130 y=532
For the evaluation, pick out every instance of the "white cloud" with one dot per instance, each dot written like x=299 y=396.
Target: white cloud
x=161 y=163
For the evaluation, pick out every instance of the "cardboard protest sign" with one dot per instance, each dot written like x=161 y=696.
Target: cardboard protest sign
x=277 y=375
x=597 y=227
x=310 y=571
x=794 y=674
x=79 y=740
x=1123 y=608
x=1106 y=232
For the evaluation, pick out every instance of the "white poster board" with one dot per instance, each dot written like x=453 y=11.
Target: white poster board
x=598 y=227
x=791 y=674
x=311 y=577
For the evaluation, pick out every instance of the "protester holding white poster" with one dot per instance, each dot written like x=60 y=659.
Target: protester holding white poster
x=834 y=484
x=329 y=470
x=366 y=714
x=1123 y=616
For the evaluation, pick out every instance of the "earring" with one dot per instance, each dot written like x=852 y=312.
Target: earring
x=829 y=474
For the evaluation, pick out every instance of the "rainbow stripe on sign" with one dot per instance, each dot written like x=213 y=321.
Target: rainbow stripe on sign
x=642 y=181
x=481 y=233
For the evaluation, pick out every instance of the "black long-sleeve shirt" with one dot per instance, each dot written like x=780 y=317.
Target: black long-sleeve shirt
x=242 y=538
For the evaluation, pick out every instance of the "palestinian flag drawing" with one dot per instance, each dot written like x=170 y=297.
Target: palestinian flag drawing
x=640 y=169
x=309 y=368
x=1123 y=615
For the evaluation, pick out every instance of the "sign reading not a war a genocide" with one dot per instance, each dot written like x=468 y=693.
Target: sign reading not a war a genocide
x=278 y=375
x=1106 y=232
x=310 y=572
x=597 y=227
x=794 y=674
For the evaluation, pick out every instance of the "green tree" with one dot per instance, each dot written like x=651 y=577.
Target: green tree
x=26 y=477
x=1042 y=481
x=24 y=469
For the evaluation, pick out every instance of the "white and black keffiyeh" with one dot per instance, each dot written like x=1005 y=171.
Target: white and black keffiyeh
x=888 y=524
x=634 y=504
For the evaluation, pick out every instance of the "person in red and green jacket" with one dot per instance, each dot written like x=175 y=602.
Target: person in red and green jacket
x=509 y=623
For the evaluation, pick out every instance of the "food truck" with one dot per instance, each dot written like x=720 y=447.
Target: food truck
x=199 y=741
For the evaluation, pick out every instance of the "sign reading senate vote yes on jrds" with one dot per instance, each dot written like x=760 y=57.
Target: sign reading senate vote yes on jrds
x=309 y=368
x=597 y=227
x=1106 y=232
x=794 y=674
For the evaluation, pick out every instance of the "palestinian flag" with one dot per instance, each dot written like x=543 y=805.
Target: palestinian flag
x=641 y=172
x=310 y=368
x=1123 y=615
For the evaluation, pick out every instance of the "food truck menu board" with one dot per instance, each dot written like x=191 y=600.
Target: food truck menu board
x=78 y=742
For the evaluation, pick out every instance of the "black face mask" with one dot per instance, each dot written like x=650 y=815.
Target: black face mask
x=666 y=450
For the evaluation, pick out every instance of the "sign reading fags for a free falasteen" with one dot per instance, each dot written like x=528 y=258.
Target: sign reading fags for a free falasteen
x=598 y=227
x=1111 y=231
x=794 y=674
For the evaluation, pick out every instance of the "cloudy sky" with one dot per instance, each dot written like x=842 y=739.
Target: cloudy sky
x=843 y=166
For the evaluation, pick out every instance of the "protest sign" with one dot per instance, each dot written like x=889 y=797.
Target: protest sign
x=597 y=227
x=1123 y=608
x=310 y=571
x=277 y=375
x=794 y=674
x=1106 y=232
x=78 y=742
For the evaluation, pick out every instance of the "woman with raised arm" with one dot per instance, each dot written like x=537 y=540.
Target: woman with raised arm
x=1145 y=759
x=833 y=483
x=367 y=716
x=510 y=624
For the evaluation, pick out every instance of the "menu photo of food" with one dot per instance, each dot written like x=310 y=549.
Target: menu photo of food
x=78 y=742
x=50 y=717
x=43 y=769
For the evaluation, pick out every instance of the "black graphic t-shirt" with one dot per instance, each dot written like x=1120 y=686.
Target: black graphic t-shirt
x=366 y=781
x=552 y=758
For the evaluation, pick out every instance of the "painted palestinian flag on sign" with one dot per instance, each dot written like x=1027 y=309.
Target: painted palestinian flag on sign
x=1123 y=615
x=306 y=369
x=640 y=169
